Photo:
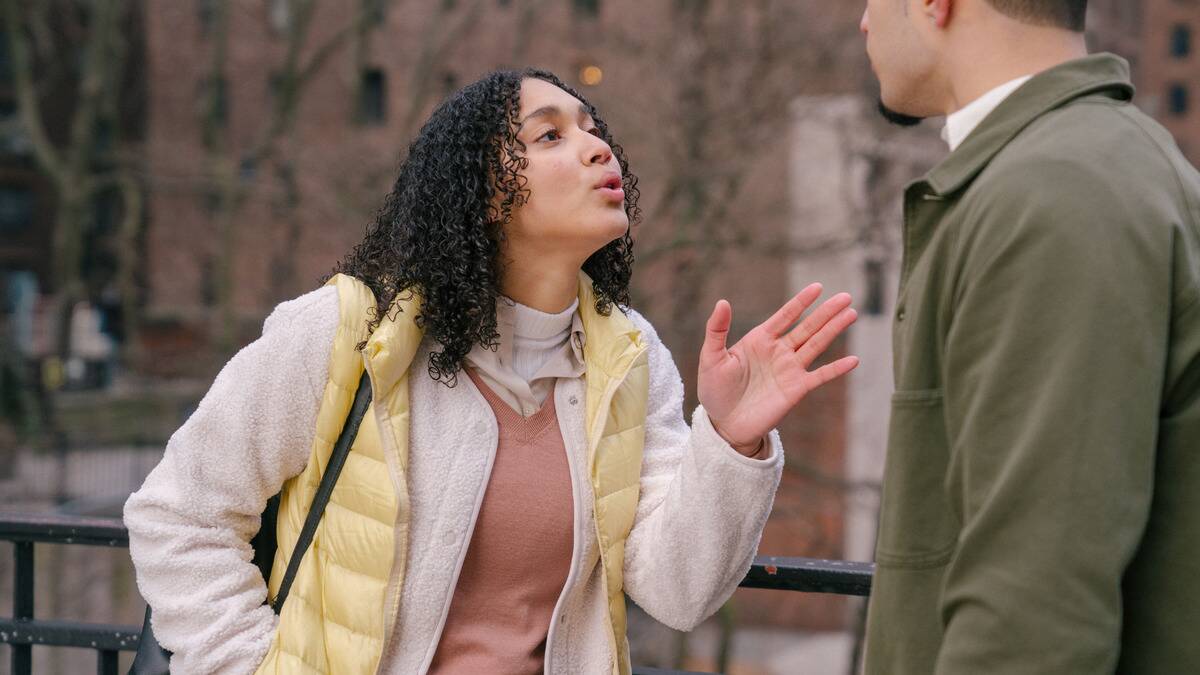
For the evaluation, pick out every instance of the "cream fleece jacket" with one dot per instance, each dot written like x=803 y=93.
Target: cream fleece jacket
x=701 y=509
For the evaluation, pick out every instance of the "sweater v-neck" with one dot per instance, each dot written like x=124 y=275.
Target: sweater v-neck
x=512 y=424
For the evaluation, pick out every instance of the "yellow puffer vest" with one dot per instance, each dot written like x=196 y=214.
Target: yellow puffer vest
x=341 y=607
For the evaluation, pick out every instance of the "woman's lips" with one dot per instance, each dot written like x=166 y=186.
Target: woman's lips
x=612 y=194
x=610 y=187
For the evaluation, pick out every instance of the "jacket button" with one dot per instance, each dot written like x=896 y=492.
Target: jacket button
x=573 y=400
x=900 y=314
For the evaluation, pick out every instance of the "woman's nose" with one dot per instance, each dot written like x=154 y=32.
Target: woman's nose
x=598 y=152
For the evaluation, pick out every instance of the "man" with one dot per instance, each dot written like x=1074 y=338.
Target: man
x=1041 y=499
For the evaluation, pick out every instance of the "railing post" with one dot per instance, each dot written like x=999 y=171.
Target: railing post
x=106 y=663
x=22 y=655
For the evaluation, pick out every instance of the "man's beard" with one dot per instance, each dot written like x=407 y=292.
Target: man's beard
x=898 y=118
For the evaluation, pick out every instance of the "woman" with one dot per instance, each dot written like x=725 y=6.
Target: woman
x=524 y=463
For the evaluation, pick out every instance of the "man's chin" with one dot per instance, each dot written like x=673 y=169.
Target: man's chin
x=898 y=118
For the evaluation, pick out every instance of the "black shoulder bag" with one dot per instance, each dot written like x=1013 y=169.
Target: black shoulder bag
x=151 y=659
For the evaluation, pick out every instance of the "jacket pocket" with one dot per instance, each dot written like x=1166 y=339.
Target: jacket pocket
x=917 y=529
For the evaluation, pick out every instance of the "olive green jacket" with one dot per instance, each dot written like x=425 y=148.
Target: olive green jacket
x=1041 y=498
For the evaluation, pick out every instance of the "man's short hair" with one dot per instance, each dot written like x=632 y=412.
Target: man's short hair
x=1068 y=14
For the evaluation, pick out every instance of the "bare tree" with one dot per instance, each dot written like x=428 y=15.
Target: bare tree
x=232 y=171
x=72 y=165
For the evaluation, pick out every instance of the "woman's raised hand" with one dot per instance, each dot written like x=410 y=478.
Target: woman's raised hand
x=749 y=387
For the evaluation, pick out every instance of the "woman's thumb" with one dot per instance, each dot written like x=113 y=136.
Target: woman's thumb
x=717 y=330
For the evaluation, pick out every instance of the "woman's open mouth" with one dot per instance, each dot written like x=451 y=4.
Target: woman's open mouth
x=610 y=187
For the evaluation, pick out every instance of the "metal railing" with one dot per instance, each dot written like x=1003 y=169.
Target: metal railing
x=22 y=631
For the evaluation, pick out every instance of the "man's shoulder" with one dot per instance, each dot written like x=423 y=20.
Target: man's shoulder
x=1090 y=143
x=1089 y=161
x=1081 y=182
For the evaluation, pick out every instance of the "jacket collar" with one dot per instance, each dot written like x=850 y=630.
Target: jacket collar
x=611 y=343
x=391 y=348
x=610 y=346
x=1104 y=74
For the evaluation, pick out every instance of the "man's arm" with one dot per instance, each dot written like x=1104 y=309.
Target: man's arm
x=1053 y=375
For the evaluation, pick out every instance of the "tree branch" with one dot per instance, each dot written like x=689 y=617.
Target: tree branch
x=27 y=99
x=432 y=52
x=91 y=85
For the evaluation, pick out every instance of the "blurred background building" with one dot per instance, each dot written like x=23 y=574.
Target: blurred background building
x=169 y=171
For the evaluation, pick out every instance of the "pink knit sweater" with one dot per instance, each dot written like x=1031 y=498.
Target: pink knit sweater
x=520 y=552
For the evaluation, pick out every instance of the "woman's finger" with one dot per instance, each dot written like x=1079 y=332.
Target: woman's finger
x=831 y=371
x=821 y=317
x=817 y=344
x=716 y=331
x=790 y=313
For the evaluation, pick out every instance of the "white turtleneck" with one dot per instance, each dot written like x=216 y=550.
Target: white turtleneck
x=535 y=349
x=537 y=337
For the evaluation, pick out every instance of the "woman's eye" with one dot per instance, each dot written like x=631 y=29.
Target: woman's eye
x=551 y=135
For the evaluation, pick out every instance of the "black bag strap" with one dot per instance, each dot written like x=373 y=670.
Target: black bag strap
x=341 y=450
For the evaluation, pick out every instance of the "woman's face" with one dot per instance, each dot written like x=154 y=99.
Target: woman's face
x=576 y=205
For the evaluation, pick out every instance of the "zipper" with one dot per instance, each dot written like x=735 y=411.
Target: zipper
x=392 y=594
x=593 y=444
x=437 y=638
x=576 y=532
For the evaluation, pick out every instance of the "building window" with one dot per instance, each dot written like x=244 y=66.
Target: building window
x=1181 y=41
x=16 y=209
x=372 y=97
x=375 y=11
x=208 y=282
x=214 y=97
x=1177 y=100
x=588 y=8
x=206 y=13
x=14 y=140
x=106 y=131
x=281 y=85
x=210 y=200
x=6 y=74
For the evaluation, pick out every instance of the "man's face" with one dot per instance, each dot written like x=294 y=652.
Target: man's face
x=900 y=56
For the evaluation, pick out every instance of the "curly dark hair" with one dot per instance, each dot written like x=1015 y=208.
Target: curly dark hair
x=439 y=232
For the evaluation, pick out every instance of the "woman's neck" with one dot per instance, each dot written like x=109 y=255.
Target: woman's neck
x=550 y=289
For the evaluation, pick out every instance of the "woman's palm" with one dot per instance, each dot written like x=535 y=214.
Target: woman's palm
x=748 y=388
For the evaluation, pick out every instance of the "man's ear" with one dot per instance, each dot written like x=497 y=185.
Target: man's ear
x=938 y=11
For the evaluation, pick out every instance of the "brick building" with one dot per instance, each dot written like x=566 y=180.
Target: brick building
x=1169 y=67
